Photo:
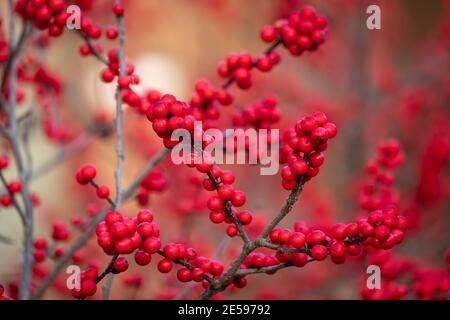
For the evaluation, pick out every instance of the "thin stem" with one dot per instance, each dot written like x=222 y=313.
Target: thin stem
x=13 y=199
x=144 y=172
x=221 y=284
x=291 y=200
x=119 y=112
x=90 y=230
x=272 y=47
x=27 y=258
x=229 y=212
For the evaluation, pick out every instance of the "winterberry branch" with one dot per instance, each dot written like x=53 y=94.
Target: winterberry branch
x=27 y=258
x=154 y=161
x=90 y=230
x=119 y=111
x=271 y=48
x=92 y=48
x=229 y=212
x=109 y=268
x=186 y=265
x=13 y=199
x=220 y=285
x=291 y=200
x=15 y=50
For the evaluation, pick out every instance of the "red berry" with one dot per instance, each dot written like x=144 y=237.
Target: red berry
x=142 y=258
x=232 y=231
x=338 y=250
x=88 y=172
x=308 y=124
x=381 y=232
x=300 y=260
x=151 y=245
x=112 y=217
x=215 y=204
x=319 y=252
x=4 y=162
x=118 y=230
x=339 y=231
x=118 y=10
x=171 y=252
x=88 y=288
x=245 y=217
x=108 y=75
x=298 y=240
x=144 y=216
x=164 y=266
x=102 y=192
x=124 y=246
x=354 y=249
x=217 y=216
x=14 y=186
x=111 y=32
x=225 y=192
x=315 y=237
x=238 y=199
x=120 y=265
x=268 y=33
x=184 y=275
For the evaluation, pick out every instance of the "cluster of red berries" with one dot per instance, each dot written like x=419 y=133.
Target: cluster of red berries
x=2 y=292
x=123 y=235
x=238 y=66
x=227 y=198
x=44 y=14
x=302 y=31
x=86 y=174
x=13 y=187
x=109 y=74
x=60 y=231
x=202 y=268
x=155 y=181
x=88 y=283
x=206 y=99
x=381 y=230
x=40 y=250
x=259 y=260
x=167 y=115
x=425 y=282
x=377 y=192
x=258 y=115
x=302 y=148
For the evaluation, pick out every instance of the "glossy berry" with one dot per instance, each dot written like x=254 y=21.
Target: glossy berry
x=184 y=275
x=120 y=265
x=164 y=266
x=319 y=252
x=88 y=288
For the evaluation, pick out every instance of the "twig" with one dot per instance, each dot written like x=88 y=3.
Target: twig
x=90 y=230
x=291 y=200
x=15 y=50
x=127 y=193
x=120 y=156
x=229 y=212
x=13 y=199
x=221 y=284
x=27 y=258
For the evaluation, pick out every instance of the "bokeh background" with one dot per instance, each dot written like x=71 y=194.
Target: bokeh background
x=374 y=84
